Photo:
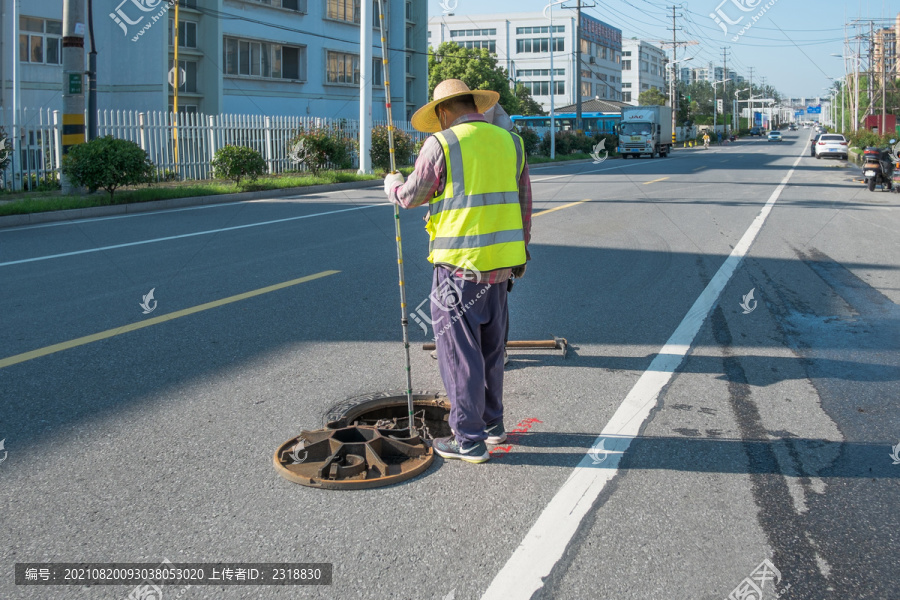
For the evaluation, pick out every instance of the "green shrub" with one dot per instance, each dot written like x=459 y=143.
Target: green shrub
x=404 y=148
x=237 y=163
x=530 y=138
x=6 y=149
x=47 y=183
x=107 y=163
x=317 y=147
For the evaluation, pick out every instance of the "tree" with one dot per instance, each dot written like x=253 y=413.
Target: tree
x=528 y=105
x=652 y=97
x=476 y=67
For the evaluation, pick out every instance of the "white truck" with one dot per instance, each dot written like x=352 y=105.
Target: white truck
x=645 y=130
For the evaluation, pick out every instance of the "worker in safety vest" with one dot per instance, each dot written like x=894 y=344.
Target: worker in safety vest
x=474 y=177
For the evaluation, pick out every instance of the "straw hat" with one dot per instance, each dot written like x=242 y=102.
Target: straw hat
x=426 y=120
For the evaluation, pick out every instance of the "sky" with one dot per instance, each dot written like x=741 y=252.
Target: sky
x=790 y=44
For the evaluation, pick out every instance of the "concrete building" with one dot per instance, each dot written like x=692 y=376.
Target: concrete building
x=643 y=68
x=522 y=44
x=273 y=57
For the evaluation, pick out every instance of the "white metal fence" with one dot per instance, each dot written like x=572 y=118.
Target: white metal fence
x=35 y=147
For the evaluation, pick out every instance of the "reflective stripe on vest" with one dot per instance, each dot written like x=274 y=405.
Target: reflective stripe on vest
x=477 y=221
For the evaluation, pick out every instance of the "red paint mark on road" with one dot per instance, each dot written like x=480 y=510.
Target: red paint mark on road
x=512 y=436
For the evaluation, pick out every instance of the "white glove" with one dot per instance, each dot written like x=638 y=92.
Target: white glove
x=391 y=181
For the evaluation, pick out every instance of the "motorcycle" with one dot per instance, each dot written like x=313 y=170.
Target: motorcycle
x=733 y=137
x=706 y=144
x=878 y=168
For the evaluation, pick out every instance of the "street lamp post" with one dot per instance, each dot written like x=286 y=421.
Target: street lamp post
x=737 y=115
x=716 y=100
x=548 y=12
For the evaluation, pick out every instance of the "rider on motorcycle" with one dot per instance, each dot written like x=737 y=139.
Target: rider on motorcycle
x=706 y=140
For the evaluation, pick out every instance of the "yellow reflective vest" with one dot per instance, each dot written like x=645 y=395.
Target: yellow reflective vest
x=476 y=223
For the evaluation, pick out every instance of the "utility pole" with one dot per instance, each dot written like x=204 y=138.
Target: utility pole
x=724 y=88
x=674 y=100
x=750 y=120
x=365 y=87
x=92 y=76
x=578 y=123
x=73 y=80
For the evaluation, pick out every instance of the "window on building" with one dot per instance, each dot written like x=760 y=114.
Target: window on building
x=544 y=29
x=542 y=88
x=539 y=72
x=298 y=5
x=471 y=32
x=342 y=67
x=183 y=109
x=344 y=10
x=585 y=47
x=187 y=75
x=409 y=11
x=40 y=41
x=264 y=59
x=187 y=34
x=409 y=36
x=489 y=45
x=539 y=45
x=626 y=65
x=378 y=71
x=626 y=96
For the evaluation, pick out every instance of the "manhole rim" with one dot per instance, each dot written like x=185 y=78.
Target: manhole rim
x=345 y=412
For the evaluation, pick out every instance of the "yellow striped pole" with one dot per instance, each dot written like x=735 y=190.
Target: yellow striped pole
x=403 y=320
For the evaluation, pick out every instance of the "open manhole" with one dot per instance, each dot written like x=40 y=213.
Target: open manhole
x=366 y=443
x=388 y=410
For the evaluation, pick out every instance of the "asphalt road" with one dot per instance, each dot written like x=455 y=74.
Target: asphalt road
x=685 y=440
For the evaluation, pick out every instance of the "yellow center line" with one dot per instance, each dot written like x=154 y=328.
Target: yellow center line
x=655 y=180
x=569 y=205
x=18 y=358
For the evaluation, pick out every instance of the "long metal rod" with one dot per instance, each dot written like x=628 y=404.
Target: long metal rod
x=403 y=320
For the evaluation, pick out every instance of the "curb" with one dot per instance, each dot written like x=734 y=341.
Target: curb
x=140 y=207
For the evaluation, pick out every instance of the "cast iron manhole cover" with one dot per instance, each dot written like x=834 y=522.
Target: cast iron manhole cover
x=366 y=443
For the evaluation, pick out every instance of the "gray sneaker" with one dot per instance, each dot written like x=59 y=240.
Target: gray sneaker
x=448 y=447
x=495 y=434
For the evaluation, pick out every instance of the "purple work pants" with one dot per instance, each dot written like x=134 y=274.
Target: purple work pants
x=469 y=326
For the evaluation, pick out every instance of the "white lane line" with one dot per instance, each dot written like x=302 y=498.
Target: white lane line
x=159 y=212
x=637 y=163
x=185 y=235
x=546 y=542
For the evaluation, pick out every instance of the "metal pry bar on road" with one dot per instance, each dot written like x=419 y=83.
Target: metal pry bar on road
x=557 y=343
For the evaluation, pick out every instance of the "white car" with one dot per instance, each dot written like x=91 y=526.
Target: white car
x=831 y=144
x=774 y=136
